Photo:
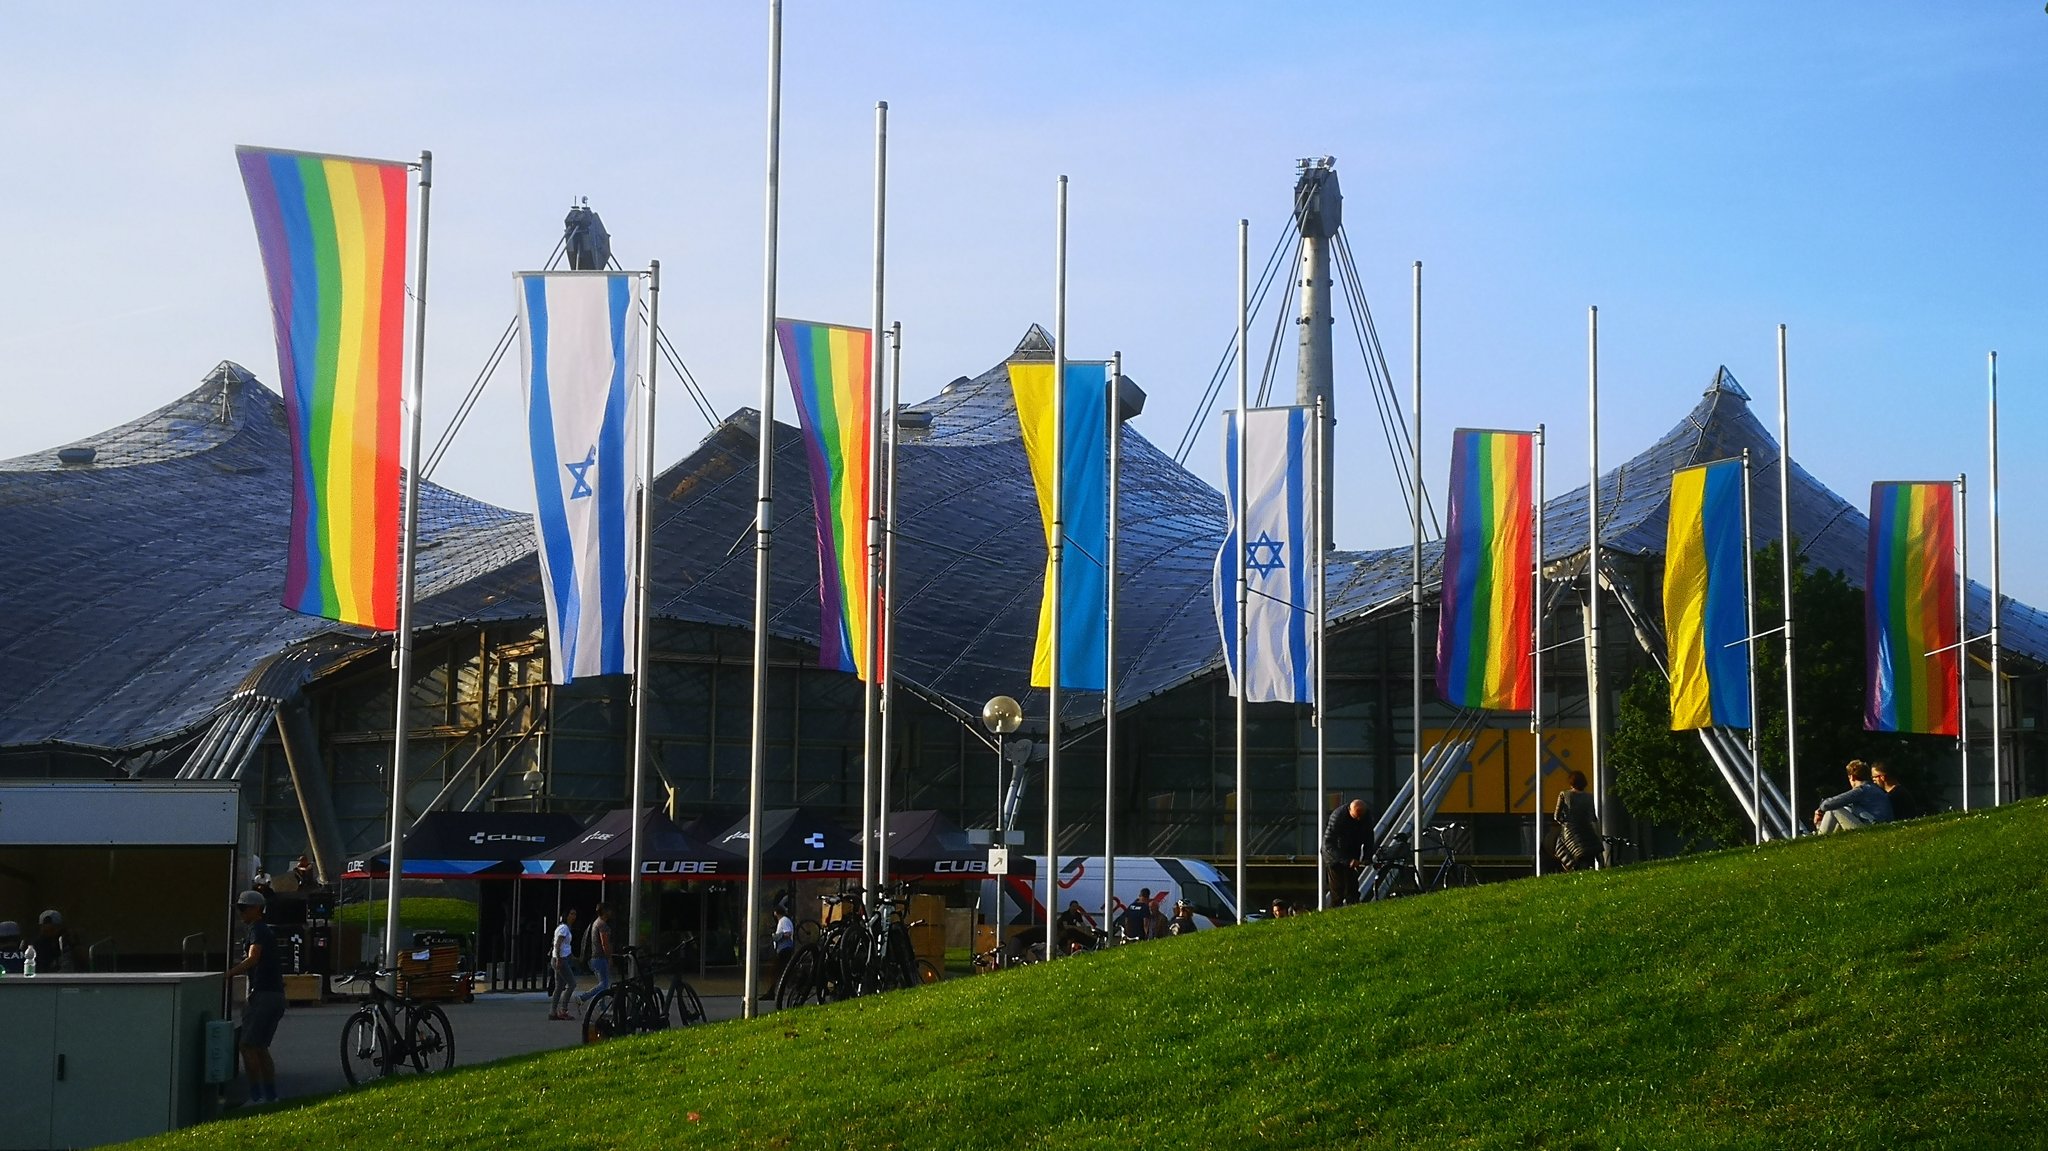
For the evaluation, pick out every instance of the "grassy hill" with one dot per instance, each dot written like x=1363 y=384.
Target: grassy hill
x=1884 y=988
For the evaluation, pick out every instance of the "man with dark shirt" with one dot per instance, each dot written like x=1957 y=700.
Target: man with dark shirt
x=1347 y=841
x=1905 y=805
x=12 y=950
x=265 y=968
x=1136 y=919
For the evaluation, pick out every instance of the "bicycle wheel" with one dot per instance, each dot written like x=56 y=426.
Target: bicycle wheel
x=684 y=1004
x=1458 y=875
x=928 y=972
x=800 y=978
x=431 y=1038
x=363 y=1048
x=605 y=1018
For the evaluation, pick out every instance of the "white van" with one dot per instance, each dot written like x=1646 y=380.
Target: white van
x=1206 y=889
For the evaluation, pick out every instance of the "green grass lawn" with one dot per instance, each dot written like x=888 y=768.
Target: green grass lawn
x=417 y=913
x=1879 y=989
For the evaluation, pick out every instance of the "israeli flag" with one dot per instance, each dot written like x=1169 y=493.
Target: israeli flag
x=580 y=359
x=1280 y=551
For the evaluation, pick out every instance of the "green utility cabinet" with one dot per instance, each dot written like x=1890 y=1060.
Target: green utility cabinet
x=92 y=1059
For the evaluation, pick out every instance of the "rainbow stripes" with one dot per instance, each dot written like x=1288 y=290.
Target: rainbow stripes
x=332 y=233
x=831 y=373
x=1910 y=609
x=1485 y=632
x=1706 y=604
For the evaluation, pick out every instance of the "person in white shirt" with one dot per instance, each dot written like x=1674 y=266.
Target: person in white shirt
x=562 y=956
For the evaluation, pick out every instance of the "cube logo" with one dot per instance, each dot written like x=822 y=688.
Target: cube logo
x=815 y=841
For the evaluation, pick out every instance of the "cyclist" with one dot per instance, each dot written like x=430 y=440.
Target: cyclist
x=1074 y=928
x=265 y=1006
x=1347 y=842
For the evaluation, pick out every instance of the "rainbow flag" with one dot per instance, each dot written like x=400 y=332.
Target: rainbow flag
x=1706 y=606
x=332 y=232
x=1485 y=633
x=831 y=373
x=1082 y=597
x=1909 y=609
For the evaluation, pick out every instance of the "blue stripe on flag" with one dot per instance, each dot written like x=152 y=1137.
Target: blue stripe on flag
x=1727 y=623
x=552 y=516
x=612 y=497
x=1297 y=558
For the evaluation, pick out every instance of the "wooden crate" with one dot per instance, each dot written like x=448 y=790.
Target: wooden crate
x=302 y=989
x=439 y=988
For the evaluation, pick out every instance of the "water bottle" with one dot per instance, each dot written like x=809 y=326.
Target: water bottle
x=28 y=961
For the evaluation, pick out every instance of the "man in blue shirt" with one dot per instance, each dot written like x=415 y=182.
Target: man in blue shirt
x=1863 y=804
x=264 y=965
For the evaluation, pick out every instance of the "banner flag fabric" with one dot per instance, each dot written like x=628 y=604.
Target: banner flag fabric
x=580 y=358
x=1083 y=596
x=1280 y=554
x=1485 y=632
x=332 y=232
x=831 y=373
x=1909 y=609
x=1706 y=612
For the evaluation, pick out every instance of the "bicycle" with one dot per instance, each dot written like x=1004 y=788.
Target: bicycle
x=637 y=1004
x=1617 y=851
x=855 y=955
x=391 y=1031
x=1392 y=873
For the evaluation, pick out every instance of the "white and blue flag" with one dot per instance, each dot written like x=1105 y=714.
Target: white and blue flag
x=1280 y=554
x=580 y=356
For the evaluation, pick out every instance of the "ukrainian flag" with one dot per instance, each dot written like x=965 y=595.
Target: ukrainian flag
x=1706 y=612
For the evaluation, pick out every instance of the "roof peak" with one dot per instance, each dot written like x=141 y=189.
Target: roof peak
x=1724 y=381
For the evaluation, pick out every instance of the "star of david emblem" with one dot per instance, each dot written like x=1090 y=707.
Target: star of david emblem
x=1264 y=555
x=580 y=472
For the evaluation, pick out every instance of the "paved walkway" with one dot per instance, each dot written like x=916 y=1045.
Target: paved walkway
x=496 y=1026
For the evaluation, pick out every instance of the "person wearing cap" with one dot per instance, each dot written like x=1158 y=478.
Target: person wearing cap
x=264 y=966
x=12 y=949
x=53 y=944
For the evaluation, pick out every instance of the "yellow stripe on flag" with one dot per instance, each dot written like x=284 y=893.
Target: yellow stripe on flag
x=1032 y=384
x=1685 y=600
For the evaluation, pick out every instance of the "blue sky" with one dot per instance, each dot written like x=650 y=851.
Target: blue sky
x=1870 y=174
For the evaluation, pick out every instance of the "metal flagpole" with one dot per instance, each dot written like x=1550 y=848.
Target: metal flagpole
x=1244 y=352
x=1415 y=584
x=1322 y=680
x=1059 y=552
x=641 y=640
x=1962 y=512
x=885 y=655
x=871 y=833
x=1593 y=570
x=1997 y=676
x=1792 y=807
x=1536 y=653
x=402 y=642
x=764 y=520
x=1116 y=443
x=1756 y=764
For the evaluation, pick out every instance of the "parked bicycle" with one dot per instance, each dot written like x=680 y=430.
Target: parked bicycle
x=855 y=955
x=393 y=1031
x=1392 y=873
x=639 y=1003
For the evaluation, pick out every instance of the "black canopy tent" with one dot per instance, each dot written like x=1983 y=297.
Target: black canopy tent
x=469 y=845
x=604 y=851
x=798 y=843
x=928 y=845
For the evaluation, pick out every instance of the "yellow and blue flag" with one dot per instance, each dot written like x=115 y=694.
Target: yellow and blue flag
x=1082 y=597
x=1706 y=609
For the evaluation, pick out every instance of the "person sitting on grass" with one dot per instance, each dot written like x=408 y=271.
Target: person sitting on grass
x=1863 y=804
x=1905 y=805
